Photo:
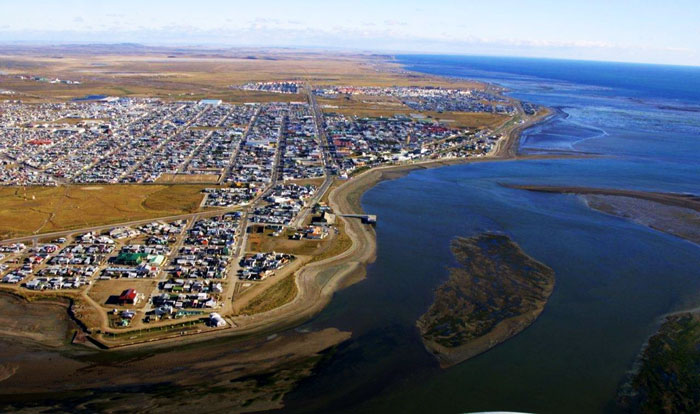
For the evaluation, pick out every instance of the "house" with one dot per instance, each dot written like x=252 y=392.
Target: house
x=128 y=314
x=163 y=310
x=34 y=284
x=216 y=320
x=128 y=297
x=130 y=258
x=315 y=233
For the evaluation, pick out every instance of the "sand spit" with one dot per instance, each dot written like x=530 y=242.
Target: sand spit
x=672 y=213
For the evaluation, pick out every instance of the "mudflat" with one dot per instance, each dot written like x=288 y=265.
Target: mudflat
x=224 y=375
x=672 y=213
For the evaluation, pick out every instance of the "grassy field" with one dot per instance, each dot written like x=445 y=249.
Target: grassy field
x=341 y=242
x=313 y=181
x=273 y=297
x=361 y=107
x=332 y=245
x=188 y=178
x=158 y=73
x=25 y=211
x=265 y=242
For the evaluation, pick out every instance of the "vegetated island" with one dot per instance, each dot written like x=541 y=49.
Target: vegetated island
x=667 y=380
x=495 y=293
x=676 y=214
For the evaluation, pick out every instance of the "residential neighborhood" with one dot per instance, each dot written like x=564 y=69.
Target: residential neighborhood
x=262 y=167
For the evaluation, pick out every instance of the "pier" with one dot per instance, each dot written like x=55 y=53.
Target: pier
x=366 y=218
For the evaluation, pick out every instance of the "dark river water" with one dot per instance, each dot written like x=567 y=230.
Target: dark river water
x=614 y=279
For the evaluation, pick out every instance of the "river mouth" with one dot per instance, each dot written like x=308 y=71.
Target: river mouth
x=604 y=306
x=615 y=278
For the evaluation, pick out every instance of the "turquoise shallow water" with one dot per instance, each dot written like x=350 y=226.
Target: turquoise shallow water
x=614 y=278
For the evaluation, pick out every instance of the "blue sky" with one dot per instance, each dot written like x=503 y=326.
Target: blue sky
x=623 y=30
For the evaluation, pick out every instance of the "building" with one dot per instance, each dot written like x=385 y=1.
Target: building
x=128 y=297
x=216 y=320
x=213 y=102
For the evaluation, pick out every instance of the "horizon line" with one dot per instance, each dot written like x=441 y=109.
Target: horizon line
x=393 y=53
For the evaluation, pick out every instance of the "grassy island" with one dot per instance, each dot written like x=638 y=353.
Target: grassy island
x=495 y=293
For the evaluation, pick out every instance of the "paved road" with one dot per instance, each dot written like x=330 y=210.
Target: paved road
x=299 y=221
x=184 y=165
x=327 y=159
x=244 y=138
x=169 y=138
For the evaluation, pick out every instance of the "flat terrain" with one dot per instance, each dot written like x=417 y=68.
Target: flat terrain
x=388 y=106
x=31 y=210
x=667 y=380
x=497 y=292
x=253 y=378
x=676 y=214
x=174 y=74
x=671 y=199
x=273 y=297
x=104 y=290
x=679 y=221
x=252 y=362
x=182 y=74
x=188 y=178
x=43 y=321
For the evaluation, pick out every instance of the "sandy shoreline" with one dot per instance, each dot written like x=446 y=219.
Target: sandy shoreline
x=676 y=214
x=670 y=199
x=318 y=281
x=315 y=291
x=259 y=343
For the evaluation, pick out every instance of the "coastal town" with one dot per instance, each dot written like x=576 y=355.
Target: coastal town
x=349 y=207
x=129 y=140
x=265 y=170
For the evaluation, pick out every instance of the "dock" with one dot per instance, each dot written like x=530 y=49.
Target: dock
x=366 y=218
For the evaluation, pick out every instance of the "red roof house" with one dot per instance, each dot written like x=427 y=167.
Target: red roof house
x=128 y=297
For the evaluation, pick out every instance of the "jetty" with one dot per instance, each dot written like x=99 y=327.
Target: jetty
x=366 y=218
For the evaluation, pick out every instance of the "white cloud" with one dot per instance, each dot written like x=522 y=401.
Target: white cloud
x=393 y=22
x=359 y=35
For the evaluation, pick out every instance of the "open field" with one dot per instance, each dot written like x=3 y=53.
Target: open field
x=313 y=181
x=265 y=242
x=42 y=321
x=102 y=290
x=29 y=210
x=273 y=297
x=256 y=376
x=291 y=295
x=174 y=74
x=188 y=178
x=362 y=107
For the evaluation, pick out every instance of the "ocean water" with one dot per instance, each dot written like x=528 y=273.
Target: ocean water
x=614 y=279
